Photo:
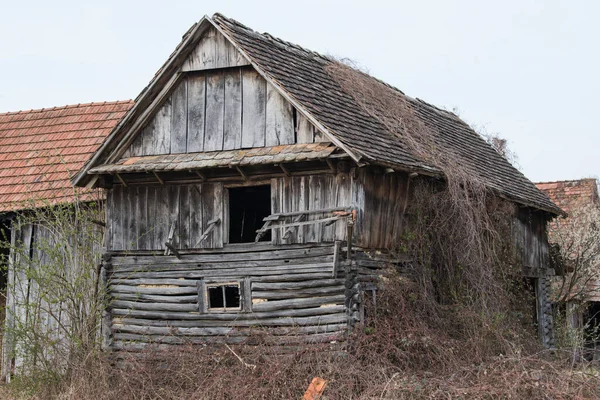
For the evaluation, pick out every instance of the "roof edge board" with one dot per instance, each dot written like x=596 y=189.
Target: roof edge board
x=82 y=178
x=288 y=97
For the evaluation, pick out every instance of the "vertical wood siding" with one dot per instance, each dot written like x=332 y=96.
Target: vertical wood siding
x=140 y=217
x=223 y=109
x=213 y=51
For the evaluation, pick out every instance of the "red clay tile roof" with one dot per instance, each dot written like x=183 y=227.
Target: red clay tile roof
x=41 y=149
x=571 y=195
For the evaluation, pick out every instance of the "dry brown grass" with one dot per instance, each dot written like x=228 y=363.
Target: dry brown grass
x=410 y=350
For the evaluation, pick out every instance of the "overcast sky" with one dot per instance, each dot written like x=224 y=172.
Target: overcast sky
x=526 y=70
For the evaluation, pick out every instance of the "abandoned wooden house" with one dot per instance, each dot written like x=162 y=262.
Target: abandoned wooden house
x=246 y=188
x=39 y=152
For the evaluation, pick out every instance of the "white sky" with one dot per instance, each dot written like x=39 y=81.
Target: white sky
x=527 y=70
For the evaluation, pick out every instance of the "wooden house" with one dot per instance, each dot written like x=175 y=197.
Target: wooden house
x=39 y=152
x=245 y=187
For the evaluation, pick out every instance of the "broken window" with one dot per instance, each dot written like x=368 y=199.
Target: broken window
x=247 y=207
x=223 y=296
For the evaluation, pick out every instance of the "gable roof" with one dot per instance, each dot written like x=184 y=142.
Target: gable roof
x=41 y=149
x=573 y=194
x=302 y=78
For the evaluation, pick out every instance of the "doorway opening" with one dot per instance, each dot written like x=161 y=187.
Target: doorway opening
x=248 y=206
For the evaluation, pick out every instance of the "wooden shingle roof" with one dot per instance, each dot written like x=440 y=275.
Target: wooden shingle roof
x=41 y=149
x=303 y=75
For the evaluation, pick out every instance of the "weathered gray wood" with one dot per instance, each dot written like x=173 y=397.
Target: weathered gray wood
x=254 y=96
x=279 y=119
x=297 y=303
x=153 y=306
x=336 y=257
x=275 y=216
x=244 y=320
x=154 y=289
x=215 y=111
x=246 y=297
x=196 y=100
x=304 y=129
x=161 y=133
x=298 y=293
x=224 y=331
x=196 y=214
x=213 y=51
x=274 y=253
x=192 y=299
x=155 y=282
x=233 y=272
x=297 y=285
x=179 y=119
x=233 y=110
x=254 y=315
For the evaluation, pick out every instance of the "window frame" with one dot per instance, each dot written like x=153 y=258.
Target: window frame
x=245 y=290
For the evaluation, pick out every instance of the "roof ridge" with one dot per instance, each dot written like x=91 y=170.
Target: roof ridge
x=270 y=37
x=68 y=106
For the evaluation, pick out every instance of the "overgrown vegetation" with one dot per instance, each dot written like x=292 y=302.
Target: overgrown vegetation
x=55 y=300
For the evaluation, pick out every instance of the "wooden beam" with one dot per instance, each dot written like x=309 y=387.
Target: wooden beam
x=237 y=167
x=285 y=170
x=122 y=180
x=158 y=178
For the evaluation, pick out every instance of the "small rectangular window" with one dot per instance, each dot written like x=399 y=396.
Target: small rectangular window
x=223 y=296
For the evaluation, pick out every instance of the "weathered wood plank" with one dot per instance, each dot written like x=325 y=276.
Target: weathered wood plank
x=279 y=254
x=279 y=119
x=161 y=133
x=298 y=293
x=254 y=96
x=215 y=111
x=243 y=320
x=213 y=51
x=196 y=214
x=233 y=110
x=153 y=306
x=304 y=129
x=154 y=289
x=196 y=105
x=296 y=285
x=298 y=303
x=179 y=119
x=253 y=316
x=153 y=282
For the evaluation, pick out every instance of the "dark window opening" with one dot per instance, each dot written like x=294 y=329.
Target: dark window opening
x=223 y=296
x=247 y=208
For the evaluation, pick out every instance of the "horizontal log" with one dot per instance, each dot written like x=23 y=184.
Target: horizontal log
x=153 y=306
x=248 y=320
x=224 y=265
x=273 y=217
x=297 y=303
x=253 y=316
x=158 y=282
x=151 y=339
x=281 y=254
x=296 y=285
x=198 y=274
x=152 y=290
x=298 y=293
x=227 y=331
x=291 y=277
x=156 y=298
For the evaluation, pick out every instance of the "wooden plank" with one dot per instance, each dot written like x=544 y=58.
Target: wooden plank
x=153 y=289
x=173 y=193
x=150 y=214
x=154 y=282
x=298 y=303
x=137 y=146
x=274 y=253
x=161 y=265
x=213 y=51
x=183 y=226
x=148 y=141
x=242 y=320
x=191 y=299
x=279 y=128
x=215 y=111
x=298 y=293
x=187 y=316
x=109 y=218
x=304 y=129
x=153 y=306
x=218 y=213
x=162 y=129
x=117 y=215
x=161 y=217
x=196 y=105
x=196 y=215
x=130 y=223
x=233 y=110
x=179 y=119
x=208 y=214
x=296 y=285
x=254 y=97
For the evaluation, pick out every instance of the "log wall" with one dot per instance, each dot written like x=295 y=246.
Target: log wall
x=289 y=289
